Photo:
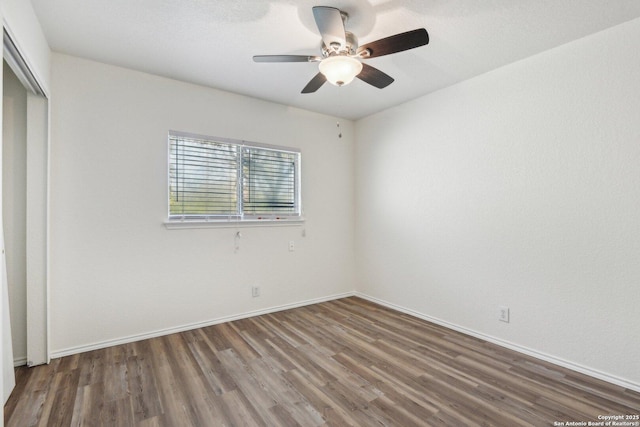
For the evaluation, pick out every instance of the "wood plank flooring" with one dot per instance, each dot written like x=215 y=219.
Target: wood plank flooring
x=340 y=363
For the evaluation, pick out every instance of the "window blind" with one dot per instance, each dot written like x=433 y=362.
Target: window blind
x=212 y=178
x=269 y=181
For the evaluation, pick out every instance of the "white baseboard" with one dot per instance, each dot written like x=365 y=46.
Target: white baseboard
x=521 y=349
x=19 y=361
x=161 y=332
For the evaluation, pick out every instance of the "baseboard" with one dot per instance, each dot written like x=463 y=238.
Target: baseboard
x=161 y=332
x=19 y=361
x=521 y=349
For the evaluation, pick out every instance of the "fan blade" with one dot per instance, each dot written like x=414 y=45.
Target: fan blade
x=315 y=83
x=374 y=77
x=286 y=58
x=330 y=24
x=397 y=43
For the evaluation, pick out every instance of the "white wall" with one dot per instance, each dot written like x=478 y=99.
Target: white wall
x=521 y=188
x=14 y=206
x=116 y=272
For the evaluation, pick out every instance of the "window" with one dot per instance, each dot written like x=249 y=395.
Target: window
x=220 y=179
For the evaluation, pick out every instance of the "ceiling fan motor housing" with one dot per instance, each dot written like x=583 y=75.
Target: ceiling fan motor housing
x=349 y=48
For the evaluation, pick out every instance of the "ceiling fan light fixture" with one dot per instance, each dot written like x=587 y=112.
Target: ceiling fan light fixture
x=340 y=70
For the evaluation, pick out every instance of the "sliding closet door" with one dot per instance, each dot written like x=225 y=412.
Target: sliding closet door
x=37 y=168
x=8 y=377
x=36 y=214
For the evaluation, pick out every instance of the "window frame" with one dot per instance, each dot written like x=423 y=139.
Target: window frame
x=240 y=218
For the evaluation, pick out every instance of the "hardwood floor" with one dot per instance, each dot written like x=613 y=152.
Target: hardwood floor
x=344 y=362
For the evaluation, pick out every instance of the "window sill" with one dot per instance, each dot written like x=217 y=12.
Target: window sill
x=222 y=223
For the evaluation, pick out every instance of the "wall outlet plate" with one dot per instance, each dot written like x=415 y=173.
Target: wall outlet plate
x=255 y=291
x=503 y=314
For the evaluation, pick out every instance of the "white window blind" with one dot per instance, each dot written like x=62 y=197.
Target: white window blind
x=215 y=178
x=268 y=181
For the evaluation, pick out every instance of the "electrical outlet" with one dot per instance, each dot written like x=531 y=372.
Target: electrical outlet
x=292 y=246
x=503 y=314
x=255 y=291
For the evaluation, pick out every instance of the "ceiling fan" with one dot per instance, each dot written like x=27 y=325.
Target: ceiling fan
x=340 y=61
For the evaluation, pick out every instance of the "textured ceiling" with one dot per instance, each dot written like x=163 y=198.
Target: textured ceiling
x=211 y=42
